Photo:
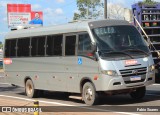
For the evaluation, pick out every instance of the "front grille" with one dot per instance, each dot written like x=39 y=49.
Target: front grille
x=127 y=73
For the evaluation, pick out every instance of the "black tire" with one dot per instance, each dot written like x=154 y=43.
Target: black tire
x=139 y=93
x=92 y=98
x=30 y=90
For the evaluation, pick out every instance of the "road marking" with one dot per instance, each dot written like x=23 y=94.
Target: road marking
x=4 y=83
x=34 y=100
x=56 y=103
x=155 y=84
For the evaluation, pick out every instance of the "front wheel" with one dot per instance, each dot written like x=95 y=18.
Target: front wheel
x=30 y=90
x=89 y=94
x=139 y=93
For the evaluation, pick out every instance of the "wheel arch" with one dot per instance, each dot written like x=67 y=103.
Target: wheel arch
x=27 y=78
x=83 y=81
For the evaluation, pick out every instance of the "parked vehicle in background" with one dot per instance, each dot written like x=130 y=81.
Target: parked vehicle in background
x=86 y=57
x=148 y=17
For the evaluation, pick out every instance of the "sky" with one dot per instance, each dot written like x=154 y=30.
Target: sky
x=54 y=11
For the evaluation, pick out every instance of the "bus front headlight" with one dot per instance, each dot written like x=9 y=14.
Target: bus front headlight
x=151 y=68
x=109 y=72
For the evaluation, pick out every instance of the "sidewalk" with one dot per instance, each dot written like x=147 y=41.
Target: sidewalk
x=1 y=70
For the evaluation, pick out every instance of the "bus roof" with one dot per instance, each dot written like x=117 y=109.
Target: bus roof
x=78 y=26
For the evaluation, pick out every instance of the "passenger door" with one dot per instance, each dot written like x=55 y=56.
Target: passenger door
x=70 y=57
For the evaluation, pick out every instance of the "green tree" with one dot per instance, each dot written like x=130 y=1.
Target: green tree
x=88 y=9
x=148 y=2
x=1 y=46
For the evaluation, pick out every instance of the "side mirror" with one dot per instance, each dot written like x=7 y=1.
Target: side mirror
x=93 y=48
x=93 y=52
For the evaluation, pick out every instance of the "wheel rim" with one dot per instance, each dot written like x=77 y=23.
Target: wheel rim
x=29 y=89
x=88 y=94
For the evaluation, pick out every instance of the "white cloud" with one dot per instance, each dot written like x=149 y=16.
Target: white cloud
x=3 y=33
x=5 y=19
x=53 y=16
x=59 y=11
x=60 y=1
x=48 y=11
x=3 y=3
x=120 y=2
x=53 y=12
x=36 y=7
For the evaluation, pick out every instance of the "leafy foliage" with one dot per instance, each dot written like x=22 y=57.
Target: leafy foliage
x=1 y=46
x=87 y=9
x=147 y=2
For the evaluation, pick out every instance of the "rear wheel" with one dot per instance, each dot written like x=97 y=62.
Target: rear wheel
x=139 y=93
x=30 y=90
x=89 y=94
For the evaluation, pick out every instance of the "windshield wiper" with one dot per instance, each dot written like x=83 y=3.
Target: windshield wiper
x=116 y=52
x=136 y=50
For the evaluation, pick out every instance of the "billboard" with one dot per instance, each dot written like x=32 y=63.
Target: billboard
x=15 y=19
x=21 y=15
x=36 y=18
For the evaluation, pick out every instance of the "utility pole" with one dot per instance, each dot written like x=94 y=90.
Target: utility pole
x=105 y=9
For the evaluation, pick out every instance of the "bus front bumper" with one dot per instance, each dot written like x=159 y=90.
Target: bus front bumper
x=110 y=83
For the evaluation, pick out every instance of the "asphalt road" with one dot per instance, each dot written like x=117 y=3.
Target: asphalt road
x=122 y=104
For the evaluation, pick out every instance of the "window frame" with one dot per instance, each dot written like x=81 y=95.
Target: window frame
x=36 y=37
x=64 y=35
x=64 y=44
x=46 y=45
x=28 y=46
x=78 y=42
x=15 y=48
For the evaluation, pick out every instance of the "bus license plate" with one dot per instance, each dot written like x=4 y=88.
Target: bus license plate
x=135 y=78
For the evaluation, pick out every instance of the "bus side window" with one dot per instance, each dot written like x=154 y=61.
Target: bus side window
x=84 y=44
x=70 y=45
x=23 y=47
x=7 y=47
x=38 y=46
x=10 y=48
x=54 y=45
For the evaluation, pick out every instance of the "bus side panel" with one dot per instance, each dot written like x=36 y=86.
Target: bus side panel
x=52 y=73
x=41 y=70
x=89 y=69
x=71 y=73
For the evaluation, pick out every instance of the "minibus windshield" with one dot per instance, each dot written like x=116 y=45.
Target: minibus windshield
x=124 y=39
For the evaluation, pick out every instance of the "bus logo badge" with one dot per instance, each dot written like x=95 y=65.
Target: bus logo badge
x=135 y=72
x=7 y=61
x=79 y=61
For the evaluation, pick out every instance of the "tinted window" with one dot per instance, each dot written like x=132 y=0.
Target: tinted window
x=54 y=45
x=7 y=47
x=119 y=39
x=10 y=48
x=84 y=44
x=38 y=46
x=23 y=47
x=70 y=44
